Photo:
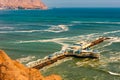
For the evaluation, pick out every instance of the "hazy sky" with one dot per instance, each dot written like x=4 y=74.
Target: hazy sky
x=82 y=3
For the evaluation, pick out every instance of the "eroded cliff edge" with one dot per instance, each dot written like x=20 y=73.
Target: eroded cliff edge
x=13 y=70
x=22 y=4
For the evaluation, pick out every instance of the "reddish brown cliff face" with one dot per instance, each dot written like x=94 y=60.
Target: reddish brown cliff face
x=13 y=70
x=23 y=4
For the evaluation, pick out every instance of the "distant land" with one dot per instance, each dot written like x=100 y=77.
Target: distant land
x=22 y=4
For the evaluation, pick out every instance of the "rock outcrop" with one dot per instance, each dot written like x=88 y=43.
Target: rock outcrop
x=22 y=4
x=13 y=70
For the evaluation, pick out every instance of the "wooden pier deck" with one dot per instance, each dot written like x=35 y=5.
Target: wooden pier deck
x=47 y=61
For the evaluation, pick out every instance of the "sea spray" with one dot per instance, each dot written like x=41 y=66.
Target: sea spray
x=58 y=28
x=25 y=59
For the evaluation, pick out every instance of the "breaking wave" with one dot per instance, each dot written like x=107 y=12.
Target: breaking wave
x=58 y=28
x=110 y=72
x=110 y=42
x=22 y=31
x=8 y=28
x=111 y=32
x=113 y=39
x=55 y=29
x=65 y=39
x=86 y=38
x=55 y=40
x=115 y=74
x=94 y=22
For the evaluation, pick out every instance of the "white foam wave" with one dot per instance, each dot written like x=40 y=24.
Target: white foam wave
x=64 y=41
x=8 y=28
x=29 y=31
x=23 y=31
x=58 y=28
x=111 y=32
x=96 y=22
x=89 y=62
x=103 y=50
x=76 y=22
x=114 y=59
x=112 y=73
x=107 y=22
x=55 y=29
x=25 y=59
x=110 y=42
x=115 y=39
x=56 y=40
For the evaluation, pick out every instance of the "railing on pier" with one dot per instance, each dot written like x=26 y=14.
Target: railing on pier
x=60 y=55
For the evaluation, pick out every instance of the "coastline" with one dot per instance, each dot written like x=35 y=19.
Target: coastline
x=29 y=35
x=11 y=69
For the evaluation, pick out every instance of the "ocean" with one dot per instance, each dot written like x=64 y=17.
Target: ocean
x=29 y=35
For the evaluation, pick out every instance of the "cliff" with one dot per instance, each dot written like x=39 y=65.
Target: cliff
x=13 y=70
x=22 y=4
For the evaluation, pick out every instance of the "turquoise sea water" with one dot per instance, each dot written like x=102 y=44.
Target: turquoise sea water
x=28 y=35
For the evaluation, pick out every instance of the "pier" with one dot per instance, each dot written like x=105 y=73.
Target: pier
x=73 y=51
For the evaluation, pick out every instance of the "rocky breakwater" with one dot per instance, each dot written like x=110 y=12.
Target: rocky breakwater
x=22 y=4
x=13 y=70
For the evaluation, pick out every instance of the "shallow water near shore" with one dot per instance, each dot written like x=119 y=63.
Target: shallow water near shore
x=28 y=35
